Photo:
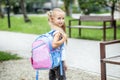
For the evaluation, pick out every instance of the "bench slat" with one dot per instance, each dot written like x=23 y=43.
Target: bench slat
x=95 y=18
x=89 y=27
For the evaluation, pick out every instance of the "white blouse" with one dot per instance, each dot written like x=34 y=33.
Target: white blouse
x=63 y=48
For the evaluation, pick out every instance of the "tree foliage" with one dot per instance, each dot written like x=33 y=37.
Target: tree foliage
x=110 y=3
x=88 y=5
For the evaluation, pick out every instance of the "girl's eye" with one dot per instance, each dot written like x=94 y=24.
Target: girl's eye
x=59 y=18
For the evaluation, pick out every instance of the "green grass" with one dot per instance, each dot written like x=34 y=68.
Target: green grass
x=39 y=25
x=4 y=56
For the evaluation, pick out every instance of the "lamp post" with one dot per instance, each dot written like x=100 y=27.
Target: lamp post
x=8 y=12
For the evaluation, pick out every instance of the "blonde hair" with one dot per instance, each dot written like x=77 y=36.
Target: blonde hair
x=51 y=14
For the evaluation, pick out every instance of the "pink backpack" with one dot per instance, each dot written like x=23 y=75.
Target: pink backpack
x=41 y=57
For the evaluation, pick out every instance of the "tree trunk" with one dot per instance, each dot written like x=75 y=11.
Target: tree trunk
x=1 y=13
x=66 y=5
x=23 y=9
x=112 y=10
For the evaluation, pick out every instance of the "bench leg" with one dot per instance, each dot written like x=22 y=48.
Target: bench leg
x=103 y=71
x=114 y=30
x=104 y=34
x=80 y=32
x=70 y=32
x=104 y=31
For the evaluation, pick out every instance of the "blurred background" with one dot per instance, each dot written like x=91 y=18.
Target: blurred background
x=70 y=6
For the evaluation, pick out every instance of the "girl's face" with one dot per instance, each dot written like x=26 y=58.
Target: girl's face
x=58 y=19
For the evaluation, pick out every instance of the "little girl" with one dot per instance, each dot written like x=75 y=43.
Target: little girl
x=57 y=23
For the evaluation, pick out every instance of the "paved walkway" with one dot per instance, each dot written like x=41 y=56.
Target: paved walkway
x=83 y=54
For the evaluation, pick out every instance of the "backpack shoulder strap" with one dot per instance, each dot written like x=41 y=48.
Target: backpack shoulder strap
x=51 y=32
x=37 y=74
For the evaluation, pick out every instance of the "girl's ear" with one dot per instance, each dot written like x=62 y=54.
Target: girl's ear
x=51 y=19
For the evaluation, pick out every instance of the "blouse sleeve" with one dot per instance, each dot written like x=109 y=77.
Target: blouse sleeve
x=64 y=52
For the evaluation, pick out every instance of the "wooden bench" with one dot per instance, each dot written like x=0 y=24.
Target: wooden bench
x=104 y=59
x=104 y=19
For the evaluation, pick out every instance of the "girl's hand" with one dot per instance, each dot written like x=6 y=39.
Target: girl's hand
x=58 y=39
